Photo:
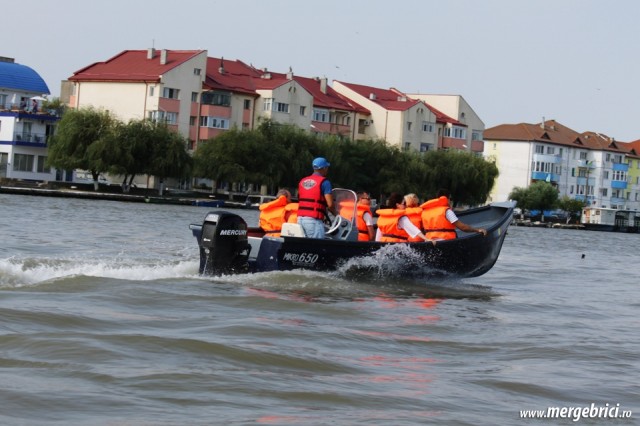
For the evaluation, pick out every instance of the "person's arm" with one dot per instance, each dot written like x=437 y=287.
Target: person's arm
x=412 y=230
x=330 y=206
x=451 y=217
x=368 y=220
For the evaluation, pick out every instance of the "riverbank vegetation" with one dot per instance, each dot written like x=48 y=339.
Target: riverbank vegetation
x=274 y=155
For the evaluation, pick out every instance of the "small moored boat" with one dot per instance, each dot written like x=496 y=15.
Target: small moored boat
x=227 y=245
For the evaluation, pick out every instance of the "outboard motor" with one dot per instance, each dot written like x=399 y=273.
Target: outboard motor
x=224 y=246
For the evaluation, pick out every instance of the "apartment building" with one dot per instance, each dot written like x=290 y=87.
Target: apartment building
x=25 y=127
x=457 y=107
x=586 y=166
x=138 y=84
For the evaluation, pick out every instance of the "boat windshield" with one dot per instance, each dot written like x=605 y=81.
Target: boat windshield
x=345 y=202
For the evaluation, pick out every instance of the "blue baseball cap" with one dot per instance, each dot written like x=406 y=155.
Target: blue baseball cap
x=320 y=163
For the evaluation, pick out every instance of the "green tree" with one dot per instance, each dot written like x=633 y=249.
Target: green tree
x=77 y=131
x=168 y=155
x=572 y=206
x=539 y=196
x=468 y=177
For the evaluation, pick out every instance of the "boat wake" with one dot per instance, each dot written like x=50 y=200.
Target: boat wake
x=18 y=272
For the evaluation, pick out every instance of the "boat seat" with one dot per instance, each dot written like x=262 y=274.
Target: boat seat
x=292 y=230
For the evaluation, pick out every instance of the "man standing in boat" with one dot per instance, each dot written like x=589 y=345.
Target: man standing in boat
x=314 y=199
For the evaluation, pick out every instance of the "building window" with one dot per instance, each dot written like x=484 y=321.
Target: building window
x=22 y=162
x=151 y=90
x=604 y=192
x=42 y=165
x=476 y=135
x=605 y=174
x=619 y=175
x=3 y=102
x=427 y=126
x=163 y=117
x=214 y=122
x=321 y=115
x=539 y=149
x=247 y=104
x=409 y=123
x=192 y=120
x=551 y=150
x=303 y=110
x=170 y=93
x=282 y=107
x=194 y=96
x=216 y=98
x=407 y=146
x=268 y=104
x=455 y=132
x=197 y=71
x=583 y=155
x=424 y=147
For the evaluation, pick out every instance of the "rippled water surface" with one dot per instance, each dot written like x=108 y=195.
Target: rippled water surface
x=104 y=320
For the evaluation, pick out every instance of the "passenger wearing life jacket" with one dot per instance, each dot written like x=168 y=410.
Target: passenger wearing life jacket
x=364 y=218
x=439 y=222
x=291 y=212
x=395 y=225
x=274 y=213
x=315 y=199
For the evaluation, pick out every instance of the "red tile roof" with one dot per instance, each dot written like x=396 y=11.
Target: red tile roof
x=133 y=65
x=236 y=76
x=550 y=132
x=395 y=100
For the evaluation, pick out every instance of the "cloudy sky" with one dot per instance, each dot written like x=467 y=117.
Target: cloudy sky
x=575 y=61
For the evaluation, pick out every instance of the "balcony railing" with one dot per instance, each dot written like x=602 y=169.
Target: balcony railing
x=31 y=138
x=619 y=184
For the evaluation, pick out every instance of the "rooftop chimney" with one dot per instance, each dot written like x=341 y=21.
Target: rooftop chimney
x=221 y=69
x=323 y=85
x=290 y=74
x=163 y=56
x=542 y=124
x=372 y=96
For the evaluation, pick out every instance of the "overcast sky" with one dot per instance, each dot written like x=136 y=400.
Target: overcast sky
x=575 y=61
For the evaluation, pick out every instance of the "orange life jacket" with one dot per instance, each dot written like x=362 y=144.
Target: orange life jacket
x=272 y=216
x=311 y=202
x=388 y=226
x=415 y=216
x=434 y=221
x=363 y=229
x=291 y=212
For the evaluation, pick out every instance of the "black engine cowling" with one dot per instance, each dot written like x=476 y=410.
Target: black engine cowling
x=224 y=246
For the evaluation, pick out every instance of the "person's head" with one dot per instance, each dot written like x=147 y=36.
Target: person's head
x=393 y=200
x=286 y=193
x=411 y=200
x=364 y=198
x=320 y=165
x=443 y=192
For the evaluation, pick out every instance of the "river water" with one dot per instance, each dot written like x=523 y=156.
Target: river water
x=105 y=321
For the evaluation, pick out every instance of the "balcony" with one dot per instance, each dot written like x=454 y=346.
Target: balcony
x=38 y=140
x=619 y=184
x=587 y=199
x=549 y=177
x=621 y=167
x=581 y=180
x=586 y=164
x=618 y=201
x=547 y=158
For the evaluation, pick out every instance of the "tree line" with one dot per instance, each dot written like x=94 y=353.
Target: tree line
x=273 y=154
x=544 y=196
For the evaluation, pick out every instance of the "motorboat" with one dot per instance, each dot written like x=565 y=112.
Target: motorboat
x=228 y=245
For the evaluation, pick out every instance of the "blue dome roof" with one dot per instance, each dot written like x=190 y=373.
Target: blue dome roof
x=21 y=77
